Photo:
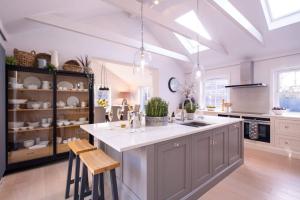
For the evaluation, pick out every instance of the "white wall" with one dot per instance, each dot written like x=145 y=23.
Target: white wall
x=69 y=45
x=255 y=99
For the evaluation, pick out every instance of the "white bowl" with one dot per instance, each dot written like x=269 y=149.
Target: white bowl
x=32 y=87
x=278 y=112
x=33 y=124
x=24 y=128
x=28 y=143
x=46 y=125
x=82 y=119
x=17 y=101
x=58 y=140
x=67 y=123
x=44 y=143
x=17 y=85
x=36 y=105
x=59 y=123
x=12 y=125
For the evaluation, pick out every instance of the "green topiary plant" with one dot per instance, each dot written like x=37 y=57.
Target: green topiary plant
x=156 y=107
x=190 y=107
x=10 y=60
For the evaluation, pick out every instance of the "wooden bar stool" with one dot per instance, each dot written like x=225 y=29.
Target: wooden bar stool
x=98 y=162
x=76 y=148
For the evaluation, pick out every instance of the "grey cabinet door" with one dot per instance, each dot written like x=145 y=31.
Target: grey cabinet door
x=201 y=158
x=220 y=149
x=173 y=169
x=234 y=143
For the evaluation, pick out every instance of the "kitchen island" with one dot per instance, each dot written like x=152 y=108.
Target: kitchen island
x=175 y=161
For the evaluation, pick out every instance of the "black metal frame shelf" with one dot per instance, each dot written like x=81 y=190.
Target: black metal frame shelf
x=55 y=156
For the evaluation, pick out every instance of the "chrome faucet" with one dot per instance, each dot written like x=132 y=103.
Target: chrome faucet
x=182 y=110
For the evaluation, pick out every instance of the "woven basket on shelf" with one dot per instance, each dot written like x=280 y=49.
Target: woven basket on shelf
x=73 y=66
x=24 y=58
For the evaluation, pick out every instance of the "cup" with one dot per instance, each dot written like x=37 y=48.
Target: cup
x=44 y=120
x=42 y=62
x=45 y=85
x=37 y=140
x=80 y=85
x=83 y=104
x=46 y=105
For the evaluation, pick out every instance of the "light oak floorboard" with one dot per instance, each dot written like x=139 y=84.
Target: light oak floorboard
x=264 y=176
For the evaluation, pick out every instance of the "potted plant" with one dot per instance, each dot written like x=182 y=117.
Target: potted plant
x=156 y=112
x=190 y=110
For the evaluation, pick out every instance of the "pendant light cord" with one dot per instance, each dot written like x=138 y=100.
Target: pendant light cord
x=198 y=53
x=142 y=24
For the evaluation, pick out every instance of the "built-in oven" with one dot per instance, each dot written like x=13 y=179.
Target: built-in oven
x=257 y=128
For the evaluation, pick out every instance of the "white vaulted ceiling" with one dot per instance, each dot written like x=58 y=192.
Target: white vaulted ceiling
x=230 y=43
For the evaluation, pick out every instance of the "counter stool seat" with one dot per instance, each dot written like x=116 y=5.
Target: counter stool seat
x=76 y=148
x=97 y=162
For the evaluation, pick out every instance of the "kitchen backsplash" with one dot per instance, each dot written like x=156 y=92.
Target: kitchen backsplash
x=254 y=100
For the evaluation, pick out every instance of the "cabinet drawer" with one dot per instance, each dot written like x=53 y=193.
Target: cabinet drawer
x=288 y=143
x=288 y=127
x=27 y=154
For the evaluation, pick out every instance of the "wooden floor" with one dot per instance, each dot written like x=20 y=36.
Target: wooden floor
x=263 y=176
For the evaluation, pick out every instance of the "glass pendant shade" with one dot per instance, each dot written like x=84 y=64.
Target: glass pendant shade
x=198 y=71
x=141 y=59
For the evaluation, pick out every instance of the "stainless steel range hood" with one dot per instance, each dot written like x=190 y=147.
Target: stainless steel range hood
x=247 y=77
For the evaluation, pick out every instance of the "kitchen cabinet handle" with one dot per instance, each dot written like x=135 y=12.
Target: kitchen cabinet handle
x=286 y=142
x=286 y=126
x=236 y=126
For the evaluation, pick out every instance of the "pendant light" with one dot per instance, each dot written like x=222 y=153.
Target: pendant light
x=199 y=70
x=142 y=57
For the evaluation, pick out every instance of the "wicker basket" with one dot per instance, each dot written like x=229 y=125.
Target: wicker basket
x=73 y=66
x=24 y=58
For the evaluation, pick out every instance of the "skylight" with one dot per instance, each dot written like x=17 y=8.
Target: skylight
x=281 y=8
x=190 y=45
x=239 y=18
x=279 y=13
x=191 y=21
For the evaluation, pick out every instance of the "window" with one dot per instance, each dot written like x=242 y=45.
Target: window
x=239 y=18
x=190 y=45
x=288 y=90
x=215 y=92
x=191 y=21
x=280 y=13
x=144 y=96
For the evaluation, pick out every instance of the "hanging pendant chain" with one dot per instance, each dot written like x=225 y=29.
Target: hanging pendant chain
x=198 y=53
x=142 y=24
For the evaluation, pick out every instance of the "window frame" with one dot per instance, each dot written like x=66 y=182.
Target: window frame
x=209 y=78
x=276 y=85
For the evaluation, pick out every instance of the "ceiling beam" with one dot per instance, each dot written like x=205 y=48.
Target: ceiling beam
x=96 y=32
x=3 y=33
x=133 y=7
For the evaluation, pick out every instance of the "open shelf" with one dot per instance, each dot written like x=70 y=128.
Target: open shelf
x=48 y=109
x=43 y=129
x=29 y=154
x=44 y=90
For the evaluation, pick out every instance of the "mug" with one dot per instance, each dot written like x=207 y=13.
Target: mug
x=45 y=85
x=44 y=121
x=83 y=104
x=80 y=85
x=46 y=105
x=42 y=62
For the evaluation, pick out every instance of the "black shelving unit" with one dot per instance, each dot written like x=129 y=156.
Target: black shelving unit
x=55 y=76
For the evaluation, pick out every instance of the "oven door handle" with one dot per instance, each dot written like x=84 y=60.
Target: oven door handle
x=263 y=122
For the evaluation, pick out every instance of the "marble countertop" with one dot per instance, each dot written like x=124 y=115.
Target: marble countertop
x=123 y=139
